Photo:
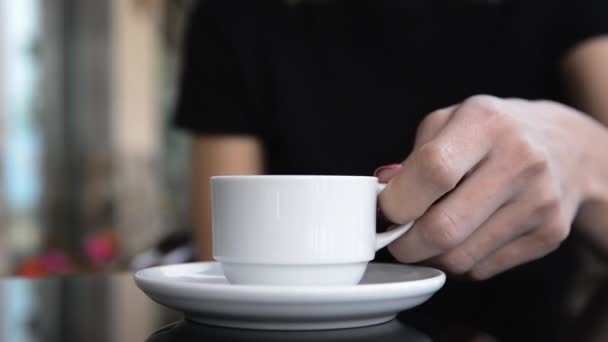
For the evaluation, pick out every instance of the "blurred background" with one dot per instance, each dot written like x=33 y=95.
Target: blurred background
x=93 y=176
x=91 y=171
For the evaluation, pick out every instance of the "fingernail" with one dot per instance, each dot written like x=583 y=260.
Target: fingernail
x=387 y=167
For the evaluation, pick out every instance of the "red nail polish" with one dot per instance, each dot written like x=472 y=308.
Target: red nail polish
x=387 y=167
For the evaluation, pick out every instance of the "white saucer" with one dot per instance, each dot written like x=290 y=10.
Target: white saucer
x=203 y=294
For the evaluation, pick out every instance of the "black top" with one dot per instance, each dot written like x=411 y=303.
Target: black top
x=339 y=87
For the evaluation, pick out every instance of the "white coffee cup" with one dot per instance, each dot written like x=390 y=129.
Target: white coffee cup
x=297 y=230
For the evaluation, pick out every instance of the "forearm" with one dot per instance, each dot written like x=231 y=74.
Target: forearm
x=585 y=71
x=201 y=208
x=592 y=217
x=218 y=156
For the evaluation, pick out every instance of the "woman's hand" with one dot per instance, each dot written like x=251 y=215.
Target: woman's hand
x=492 y=183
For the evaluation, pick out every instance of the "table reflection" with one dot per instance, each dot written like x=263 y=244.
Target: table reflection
x=111 y=308
x=79 y=308
x=186 y=331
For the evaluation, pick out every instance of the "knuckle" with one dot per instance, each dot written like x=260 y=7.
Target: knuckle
x=398 y=254
x=491 y=114
x=486 y=106
x=528 y=159
x=433 y=119
x=394 y=210
x=441 y=230
x=561 y=228
x=542 y=241
x=437 y=167
x=550 y=105
x=548 y=200
x=389 y=209
x=457 y=261
x=478 y=274
x=530 y=154
x=399 y=217
x=550 y=237
x=504 y=126
x=544 y=102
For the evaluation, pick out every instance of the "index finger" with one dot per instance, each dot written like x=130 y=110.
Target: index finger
x=436 y=167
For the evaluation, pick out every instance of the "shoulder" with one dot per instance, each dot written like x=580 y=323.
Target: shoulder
x=236 y=21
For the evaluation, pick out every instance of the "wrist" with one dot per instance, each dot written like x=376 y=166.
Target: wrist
x=592 y=214
x=594 y=161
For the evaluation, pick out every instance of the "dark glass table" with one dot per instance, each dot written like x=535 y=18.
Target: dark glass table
x=111 y=308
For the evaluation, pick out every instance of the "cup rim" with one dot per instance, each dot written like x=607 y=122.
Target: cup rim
x=293 y=177
x=291 y=261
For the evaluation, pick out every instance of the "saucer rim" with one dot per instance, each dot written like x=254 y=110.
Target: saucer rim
x=269 y=293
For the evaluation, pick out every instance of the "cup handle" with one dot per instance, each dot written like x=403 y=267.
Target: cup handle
x=393 y=232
